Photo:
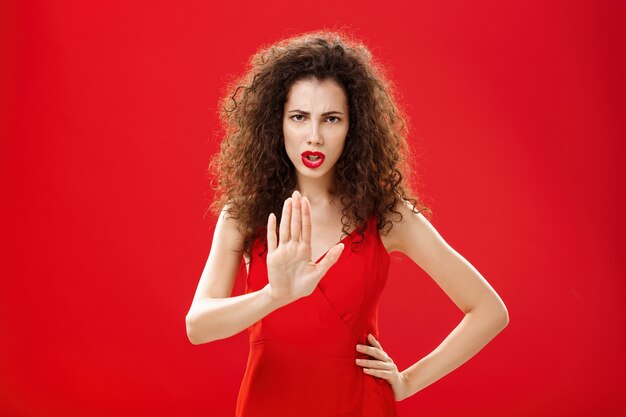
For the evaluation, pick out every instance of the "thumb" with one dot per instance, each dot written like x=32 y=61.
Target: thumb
x=331 y=257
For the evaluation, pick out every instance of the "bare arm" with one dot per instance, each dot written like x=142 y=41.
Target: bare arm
x=214 y=314
x=485 y=312
x=207 y=322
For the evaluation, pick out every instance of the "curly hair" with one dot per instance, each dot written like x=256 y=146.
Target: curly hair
x=254 y=174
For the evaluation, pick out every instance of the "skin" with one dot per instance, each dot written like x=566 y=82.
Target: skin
x=315 y=118
x=292 y=248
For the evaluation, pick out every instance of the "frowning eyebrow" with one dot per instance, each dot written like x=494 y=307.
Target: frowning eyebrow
x=307 y=113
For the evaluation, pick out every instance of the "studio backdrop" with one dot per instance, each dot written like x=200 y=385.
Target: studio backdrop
x=109 y=116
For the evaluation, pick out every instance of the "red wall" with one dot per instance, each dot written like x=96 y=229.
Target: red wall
x=108 y=121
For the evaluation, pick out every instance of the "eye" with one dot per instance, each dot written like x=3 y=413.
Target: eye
x=334 y=117
x=296 y=115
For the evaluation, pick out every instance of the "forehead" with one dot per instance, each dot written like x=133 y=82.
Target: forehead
x=311 y=90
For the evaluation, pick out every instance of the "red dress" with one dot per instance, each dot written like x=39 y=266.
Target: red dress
x=302 y=355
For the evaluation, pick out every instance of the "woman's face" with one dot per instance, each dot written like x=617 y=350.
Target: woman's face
x=315 y=120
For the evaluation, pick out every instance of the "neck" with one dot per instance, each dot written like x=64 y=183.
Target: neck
x=319 y=191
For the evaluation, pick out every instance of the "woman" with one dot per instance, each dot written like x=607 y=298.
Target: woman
x=315 y=145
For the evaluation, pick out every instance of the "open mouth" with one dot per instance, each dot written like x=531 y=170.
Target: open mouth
x=312 y=159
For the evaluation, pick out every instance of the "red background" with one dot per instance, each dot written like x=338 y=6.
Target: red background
x=109 y=117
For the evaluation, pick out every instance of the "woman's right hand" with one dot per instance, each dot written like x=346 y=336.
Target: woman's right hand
x=291 y=272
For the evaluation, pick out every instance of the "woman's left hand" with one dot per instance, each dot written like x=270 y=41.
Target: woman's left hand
x=382 y=366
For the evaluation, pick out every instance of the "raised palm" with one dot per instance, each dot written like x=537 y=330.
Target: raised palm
x=291 y=271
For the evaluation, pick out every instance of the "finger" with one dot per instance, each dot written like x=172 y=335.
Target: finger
x=271 y=232
x=306 y=221
x=373 y=341
x=285 y=220
x=377 y=344
x=330 y=258
x=373 y=351
x=388 y=375
x=374 y=364
x=368 y=350
x=296 y=222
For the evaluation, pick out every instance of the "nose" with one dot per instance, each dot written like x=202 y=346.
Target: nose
x=314 y=135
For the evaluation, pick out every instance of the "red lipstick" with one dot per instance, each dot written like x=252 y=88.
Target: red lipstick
x=313 y=162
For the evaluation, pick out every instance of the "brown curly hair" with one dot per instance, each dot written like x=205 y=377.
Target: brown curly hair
x=254 y=174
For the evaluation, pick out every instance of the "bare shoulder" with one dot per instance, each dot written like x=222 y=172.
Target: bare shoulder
x=404 y=232
x=417 y=238
x=227 y=233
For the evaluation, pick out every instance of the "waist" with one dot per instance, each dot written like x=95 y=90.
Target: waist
x=292 y=349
